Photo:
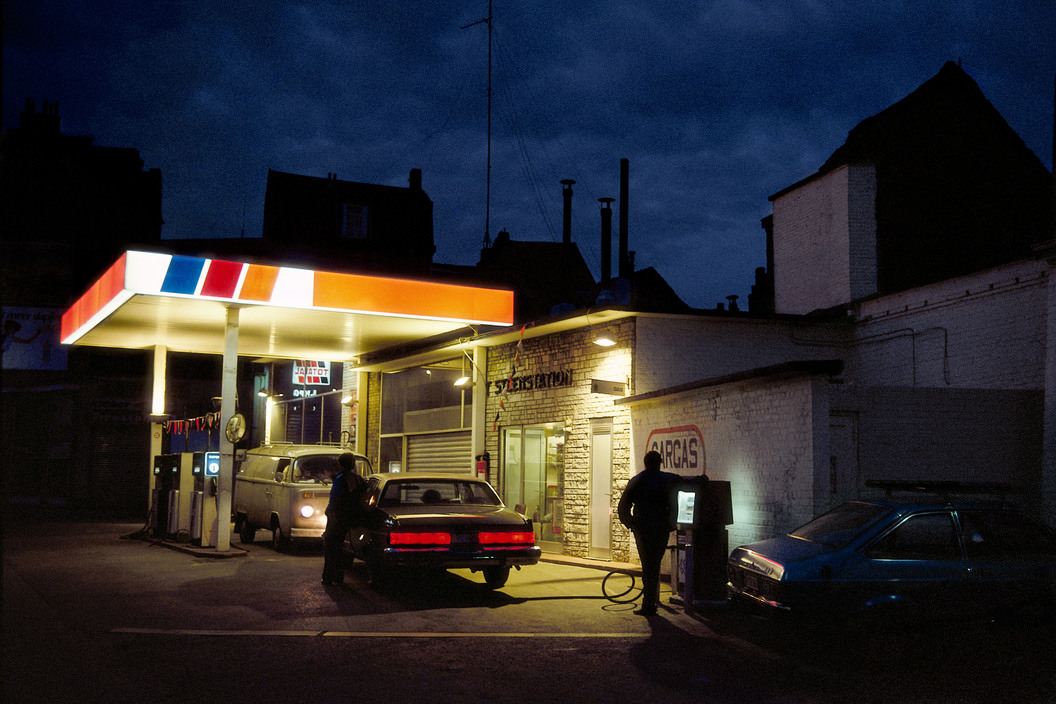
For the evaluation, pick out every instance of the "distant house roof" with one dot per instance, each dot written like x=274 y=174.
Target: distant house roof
x=544 y=274
x=957 y=189
x=383 y=228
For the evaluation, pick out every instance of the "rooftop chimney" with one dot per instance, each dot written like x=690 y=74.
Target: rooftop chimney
x=606 y=239
x=566 y=223
x=626 y=269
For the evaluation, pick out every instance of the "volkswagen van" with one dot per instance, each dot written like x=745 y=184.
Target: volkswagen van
x=284 y=489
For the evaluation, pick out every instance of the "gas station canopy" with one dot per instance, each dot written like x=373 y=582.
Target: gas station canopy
x=179 y=302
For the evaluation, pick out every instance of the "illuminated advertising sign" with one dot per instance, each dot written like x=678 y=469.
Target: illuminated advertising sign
x=308 y=372
x=682 y=449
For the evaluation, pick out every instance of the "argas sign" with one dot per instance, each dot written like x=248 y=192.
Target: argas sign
x=681 y=447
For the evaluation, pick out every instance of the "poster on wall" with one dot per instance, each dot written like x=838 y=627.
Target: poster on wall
x=31 y=339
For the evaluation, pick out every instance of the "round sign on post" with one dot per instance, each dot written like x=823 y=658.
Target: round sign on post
x=236 y=428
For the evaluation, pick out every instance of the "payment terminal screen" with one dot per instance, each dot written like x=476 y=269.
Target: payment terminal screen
x=686 y=501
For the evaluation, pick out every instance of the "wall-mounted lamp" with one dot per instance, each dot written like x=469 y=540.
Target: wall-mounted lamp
x=604 y=341
x=465 y=381
x=347 y=400
x=263 y=393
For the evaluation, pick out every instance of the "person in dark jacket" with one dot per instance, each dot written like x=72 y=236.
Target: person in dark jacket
x=646 y=509
x=340 y=516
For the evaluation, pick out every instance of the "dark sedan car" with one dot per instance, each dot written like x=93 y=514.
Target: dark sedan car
x=440 y=521
x=931 y=556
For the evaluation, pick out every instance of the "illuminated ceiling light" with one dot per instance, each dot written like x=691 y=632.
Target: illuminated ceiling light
x=345 y=401
x=263 y=393
x=604 y=342
x=462 y=381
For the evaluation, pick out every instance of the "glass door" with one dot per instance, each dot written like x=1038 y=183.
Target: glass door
x=533 y=472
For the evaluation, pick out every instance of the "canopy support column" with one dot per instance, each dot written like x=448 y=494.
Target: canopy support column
x=228 y=389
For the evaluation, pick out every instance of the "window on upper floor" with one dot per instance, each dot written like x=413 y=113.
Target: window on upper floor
x=354 y=221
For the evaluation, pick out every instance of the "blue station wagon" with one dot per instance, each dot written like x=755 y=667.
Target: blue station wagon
x=931 y=556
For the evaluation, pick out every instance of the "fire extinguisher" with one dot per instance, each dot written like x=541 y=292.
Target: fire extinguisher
x=483 y=465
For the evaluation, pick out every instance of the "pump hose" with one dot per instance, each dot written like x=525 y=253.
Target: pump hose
x=632 y=589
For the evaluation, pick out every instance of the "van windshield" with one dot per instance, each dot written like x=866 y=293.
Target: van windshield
x=318 y=469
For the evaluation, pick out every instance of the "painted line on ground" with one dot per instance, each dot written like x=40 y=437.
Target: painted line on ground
x=370 y=634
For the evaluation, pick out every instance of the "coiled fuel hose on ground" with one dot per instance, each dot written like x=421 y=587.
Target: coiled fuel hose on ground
x=618 y=580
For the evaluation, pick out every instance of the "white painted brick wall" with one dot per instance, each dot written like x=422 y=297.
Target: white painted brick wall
x=758 y=435
x=825 y=241
x=671 y=351
x=986 y=330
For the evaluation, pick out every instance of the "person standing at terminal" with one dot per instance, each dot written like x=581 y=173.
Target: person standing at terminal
x=341 y=513
x=646 y=509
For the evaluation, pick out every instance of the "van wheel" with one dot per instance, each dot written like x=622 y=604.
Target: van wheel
x=246 y=532
x=278 y=541
x=495 y=577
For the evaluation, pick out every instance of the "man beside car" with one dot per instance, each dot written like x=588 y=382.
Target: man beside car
x=341 y=512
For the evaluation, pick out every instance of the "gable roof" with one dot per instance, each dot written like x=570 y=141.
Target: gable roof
x=957 y=188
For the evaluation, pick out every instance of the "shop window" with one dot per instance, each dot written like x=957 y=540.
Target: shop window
x=424 y=400
x=533 y=476
x=420 y=408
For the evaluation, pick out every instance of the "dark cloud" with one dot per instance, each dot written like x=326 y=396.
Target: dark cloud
x=716 y=104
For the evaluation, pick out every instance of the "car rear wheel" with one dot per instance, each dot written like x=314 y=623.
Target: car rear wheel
x=495 y=577
x=377 y=574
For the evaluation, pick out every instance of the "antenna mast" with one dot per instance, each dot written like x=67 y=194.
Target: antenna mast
x=487 y=187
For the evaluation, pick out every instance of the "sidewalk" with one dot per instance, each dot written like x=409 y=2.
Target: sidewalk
x=233 y=551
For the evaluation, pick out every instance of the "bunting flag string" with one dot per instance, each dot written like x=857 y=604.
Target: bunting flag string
x=183 y=426
x=509 y=379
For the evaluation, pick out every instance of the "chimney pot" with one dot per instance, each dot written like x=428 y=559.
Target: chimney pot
x=566 y=221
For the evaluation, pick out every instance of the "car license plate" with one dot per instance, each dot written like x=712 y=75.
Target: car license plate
x=462 y=538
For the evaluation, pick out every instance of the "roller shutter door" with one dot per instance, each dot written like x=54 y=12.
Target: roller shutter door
x=440 y=452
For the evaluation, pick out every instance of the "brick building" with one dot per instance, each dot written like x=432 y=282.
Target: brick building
x=910 y=338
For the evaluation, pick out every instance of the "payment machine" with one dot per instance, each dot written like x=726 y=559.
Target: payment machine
x=704 y=509
x=205 y=470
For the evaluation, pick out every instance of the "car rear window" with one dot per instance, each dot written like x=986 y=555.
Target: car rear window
x=1000 y=535
x=437 y=492
x=841 y=525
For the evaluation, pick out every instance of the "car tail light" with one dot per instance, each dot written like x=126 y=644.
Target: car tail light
x=518 y=538
x=420 y=539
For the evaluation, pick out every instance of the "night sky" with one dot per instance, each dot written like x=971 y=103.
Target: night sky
x=717 y=105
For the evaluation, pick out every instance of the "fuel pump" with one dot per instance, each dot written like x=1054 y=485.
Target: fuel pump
x=704 y=509
x=160 y=487
x=182 y=487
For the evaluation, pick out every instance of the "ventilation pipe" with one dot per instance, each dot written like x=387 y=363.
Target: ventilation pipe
x=606 y=239
x=626 y=268
x=566 y=222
